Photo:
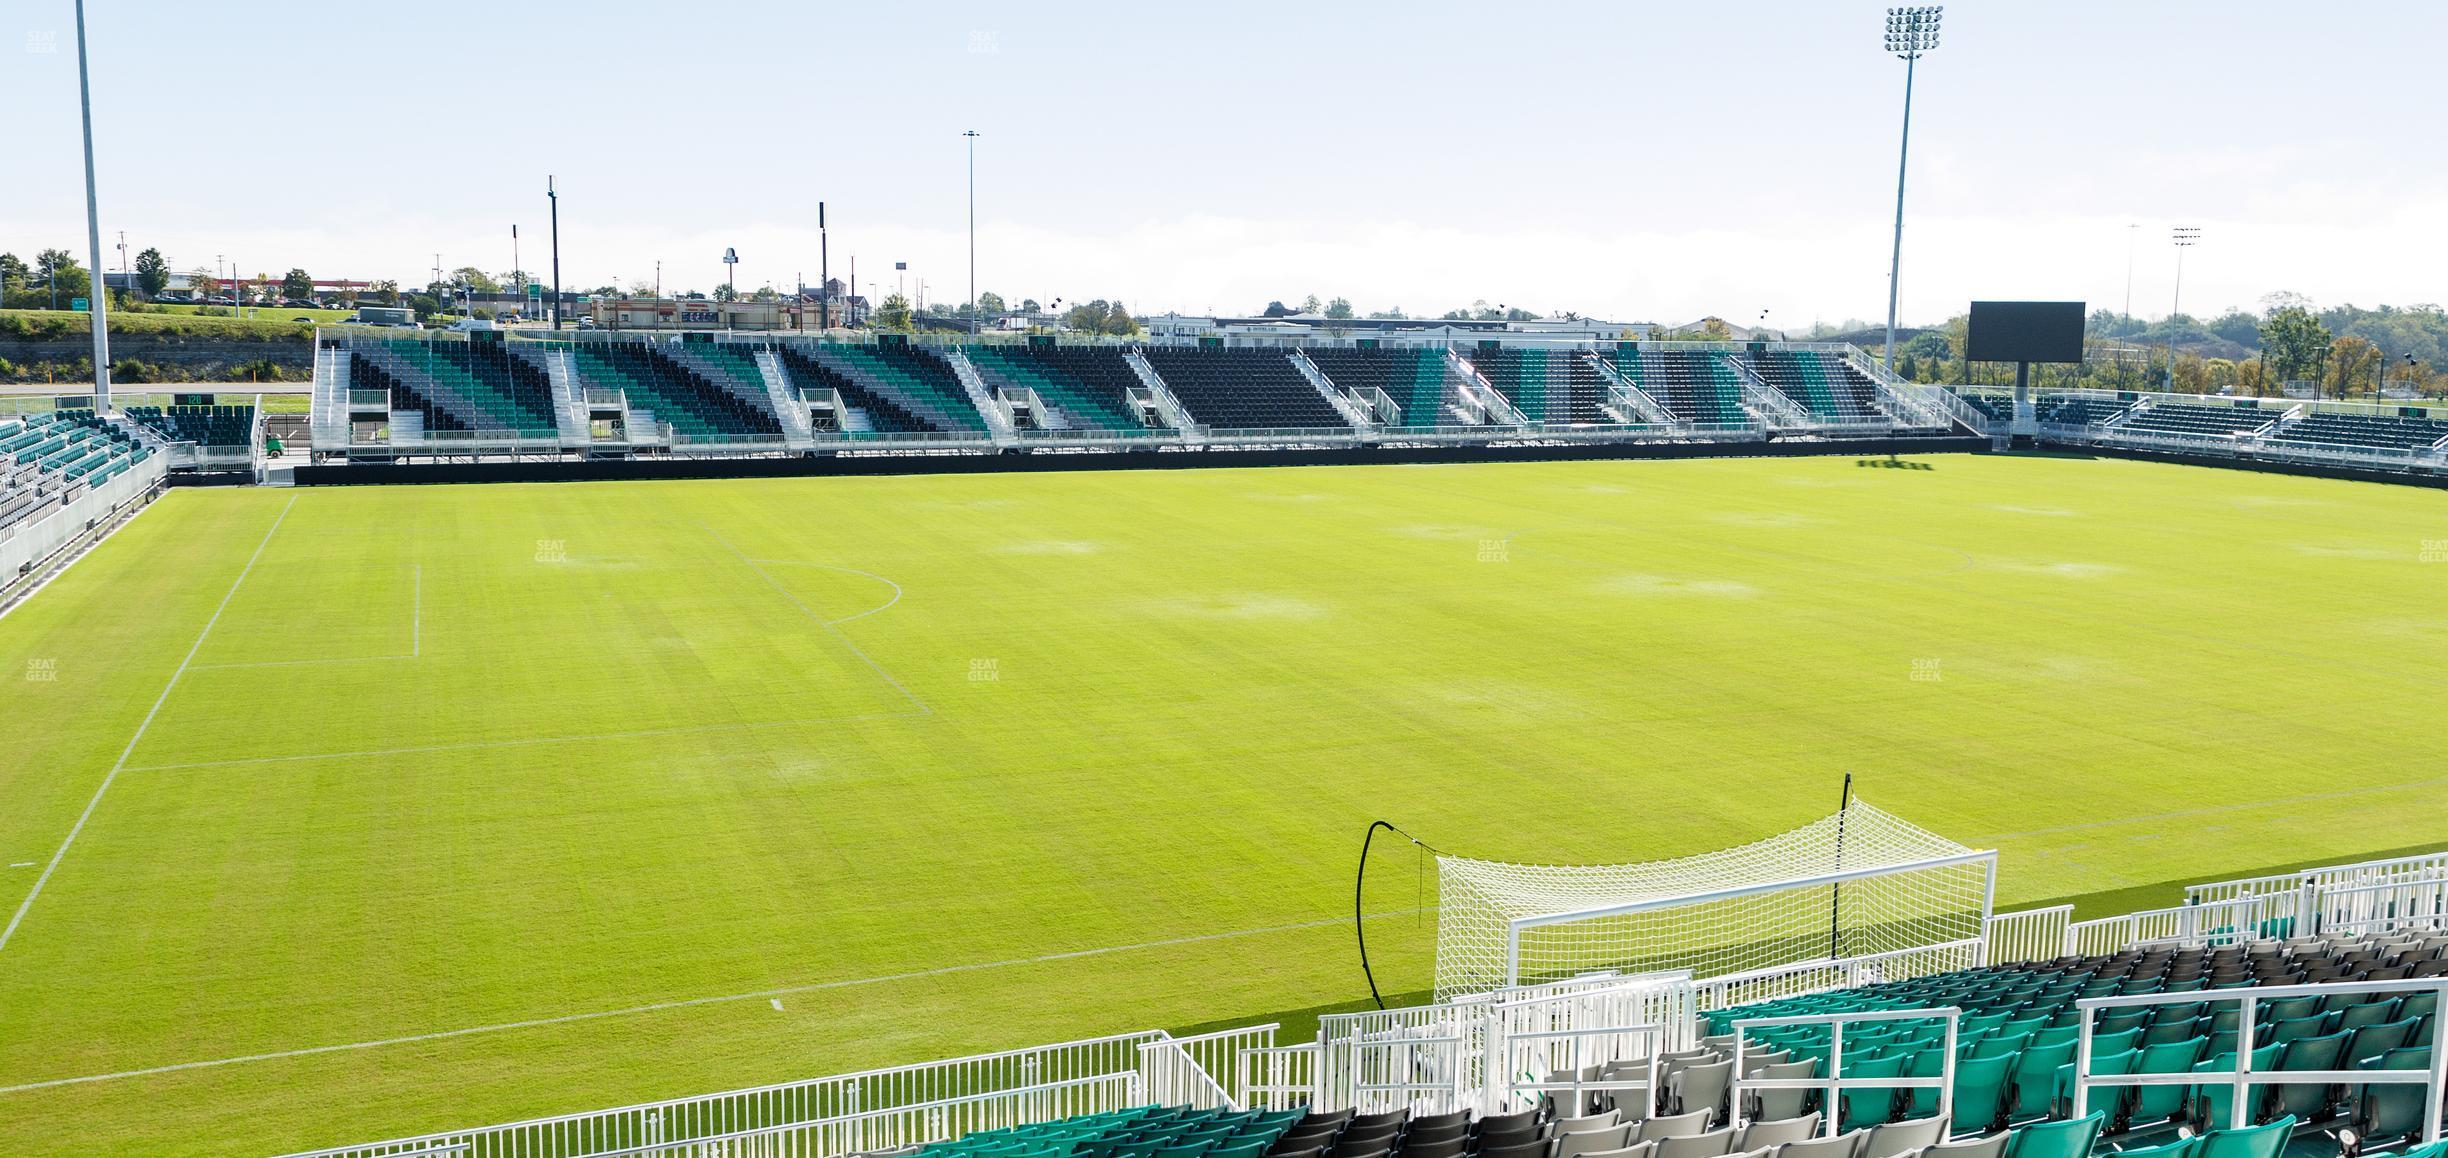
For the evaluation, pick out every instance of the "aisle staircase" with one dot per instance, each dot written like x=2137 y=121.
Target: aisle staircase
x=796 y=433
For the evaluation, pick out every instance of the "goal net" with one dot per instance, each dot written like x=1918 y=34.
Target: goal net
x=1857 y=883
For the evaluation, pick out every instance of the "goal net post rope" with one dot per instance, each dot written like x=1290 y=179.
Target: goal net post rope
x=1856 y=883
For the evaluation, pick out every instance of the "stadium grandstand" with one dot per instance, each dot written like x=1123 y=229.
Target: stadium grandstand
x=446 y=396
x=2261 y=1018
x=2399 y=438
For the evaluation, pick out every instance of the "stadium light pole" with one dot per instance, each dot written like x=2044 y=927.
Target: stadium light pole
x=554 y=196
x=971 y=135
x=2132 y=230
x=2185 y=236
x=99 y=302
x=824 y=257
x=1910 y=32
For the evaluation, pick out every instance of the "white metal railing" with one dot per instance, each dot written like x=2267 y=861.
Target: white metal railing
x=1457 y=1053
x=2030 y=935
x=1203 y=1070
x=1835 y=1082
x=999 y=1085
x=2293 y=902
x=1525 y=1078
x=1815 y=976
x=2217 y=923
x=1430 y=1073
x=1773 y=405
x=1630 y=394
x=2419 y=901
x=2242 y=1078
x=889 y=1129
x=1278 y=1077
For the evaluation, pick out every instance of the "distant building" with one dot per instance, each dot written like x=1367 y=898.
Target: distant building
x=1312 y=327
x=1698 y=332
x=702 y=314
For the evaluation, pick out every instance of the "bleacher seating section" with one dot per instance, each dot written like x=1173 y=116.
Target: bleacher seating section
x=895 y=391
x=459 y=385
x=2073 y=410
x=1691 y=1117
x=1145 y=1132
x=1999 y=407
x=47 y=460
x=1415 y=378
x=1558 y=386
x=1821 y=382
x=697 y=408
x=2017 y=1035
x=201 y=425
x=1089 y=387
x=1693 y=385
x=2204 y=421
x=2367 y=431
x=1242 y=389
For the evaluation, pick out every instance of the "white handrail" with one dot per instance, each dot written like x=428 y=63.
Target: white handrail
x=1944 y=1083
x=2241 y=1078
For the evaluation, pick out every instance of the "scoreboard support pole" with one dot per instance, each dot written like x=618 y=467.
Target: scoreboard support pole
x=2026 y=418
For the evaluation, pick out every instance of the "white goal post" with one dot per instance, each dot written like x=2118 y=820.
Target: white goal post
x=1857 y=883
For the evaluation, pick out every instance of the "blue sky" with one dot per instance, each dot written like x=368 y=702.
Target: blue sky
x=1637 y=161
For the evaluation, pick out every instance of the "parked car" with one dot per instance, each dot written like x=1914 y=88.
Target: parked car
x=297 y=304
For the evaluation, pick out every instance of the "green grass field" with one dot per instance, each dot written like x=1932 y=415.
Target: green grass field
x=558 y=797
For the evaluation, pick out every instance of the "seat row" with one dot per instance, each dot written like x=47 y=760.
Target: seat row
x=1235 y=388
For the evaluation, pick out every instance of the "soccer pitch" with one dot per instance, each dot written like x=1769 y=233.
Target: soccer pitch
x=384 y=810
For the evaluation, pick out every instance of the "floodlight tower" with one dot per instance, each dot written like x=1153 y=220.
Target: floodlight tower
x=1910 y=32
x=2184 y=237
x=98 y=294
x=972 y=135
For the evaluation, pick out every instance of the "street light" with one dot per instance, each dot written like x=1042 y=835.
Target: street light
x=1910 y=32
x=2185 y=237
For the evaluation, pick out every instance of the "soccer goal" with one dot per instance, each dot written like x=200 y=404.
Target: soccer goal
x=1857 y=884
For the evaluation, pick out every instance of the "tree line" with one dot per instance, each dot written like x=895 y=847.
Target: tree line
x=2338 y=352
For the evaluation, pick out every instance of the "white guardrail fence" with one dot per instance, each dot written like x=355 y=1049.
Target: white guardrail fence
x=1496 y=1052
x=2243 y=1078
x=1835 y=1083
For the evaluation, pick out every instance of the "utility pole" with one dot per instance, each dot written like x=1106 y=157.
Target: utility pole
x=100 y=301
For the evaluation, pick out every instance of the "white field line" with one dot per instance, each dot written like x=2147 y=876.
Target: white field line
x=2216 y=809
x=771 y=995
x=416 y=638
x=821 y=621
x=639 y=734
x=141 y=727
x=887 y=605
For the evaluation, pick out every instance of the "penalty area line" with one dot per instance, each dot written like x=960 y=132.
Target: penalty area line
x=589 y=738
x=121 y=763
x=773 y=996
